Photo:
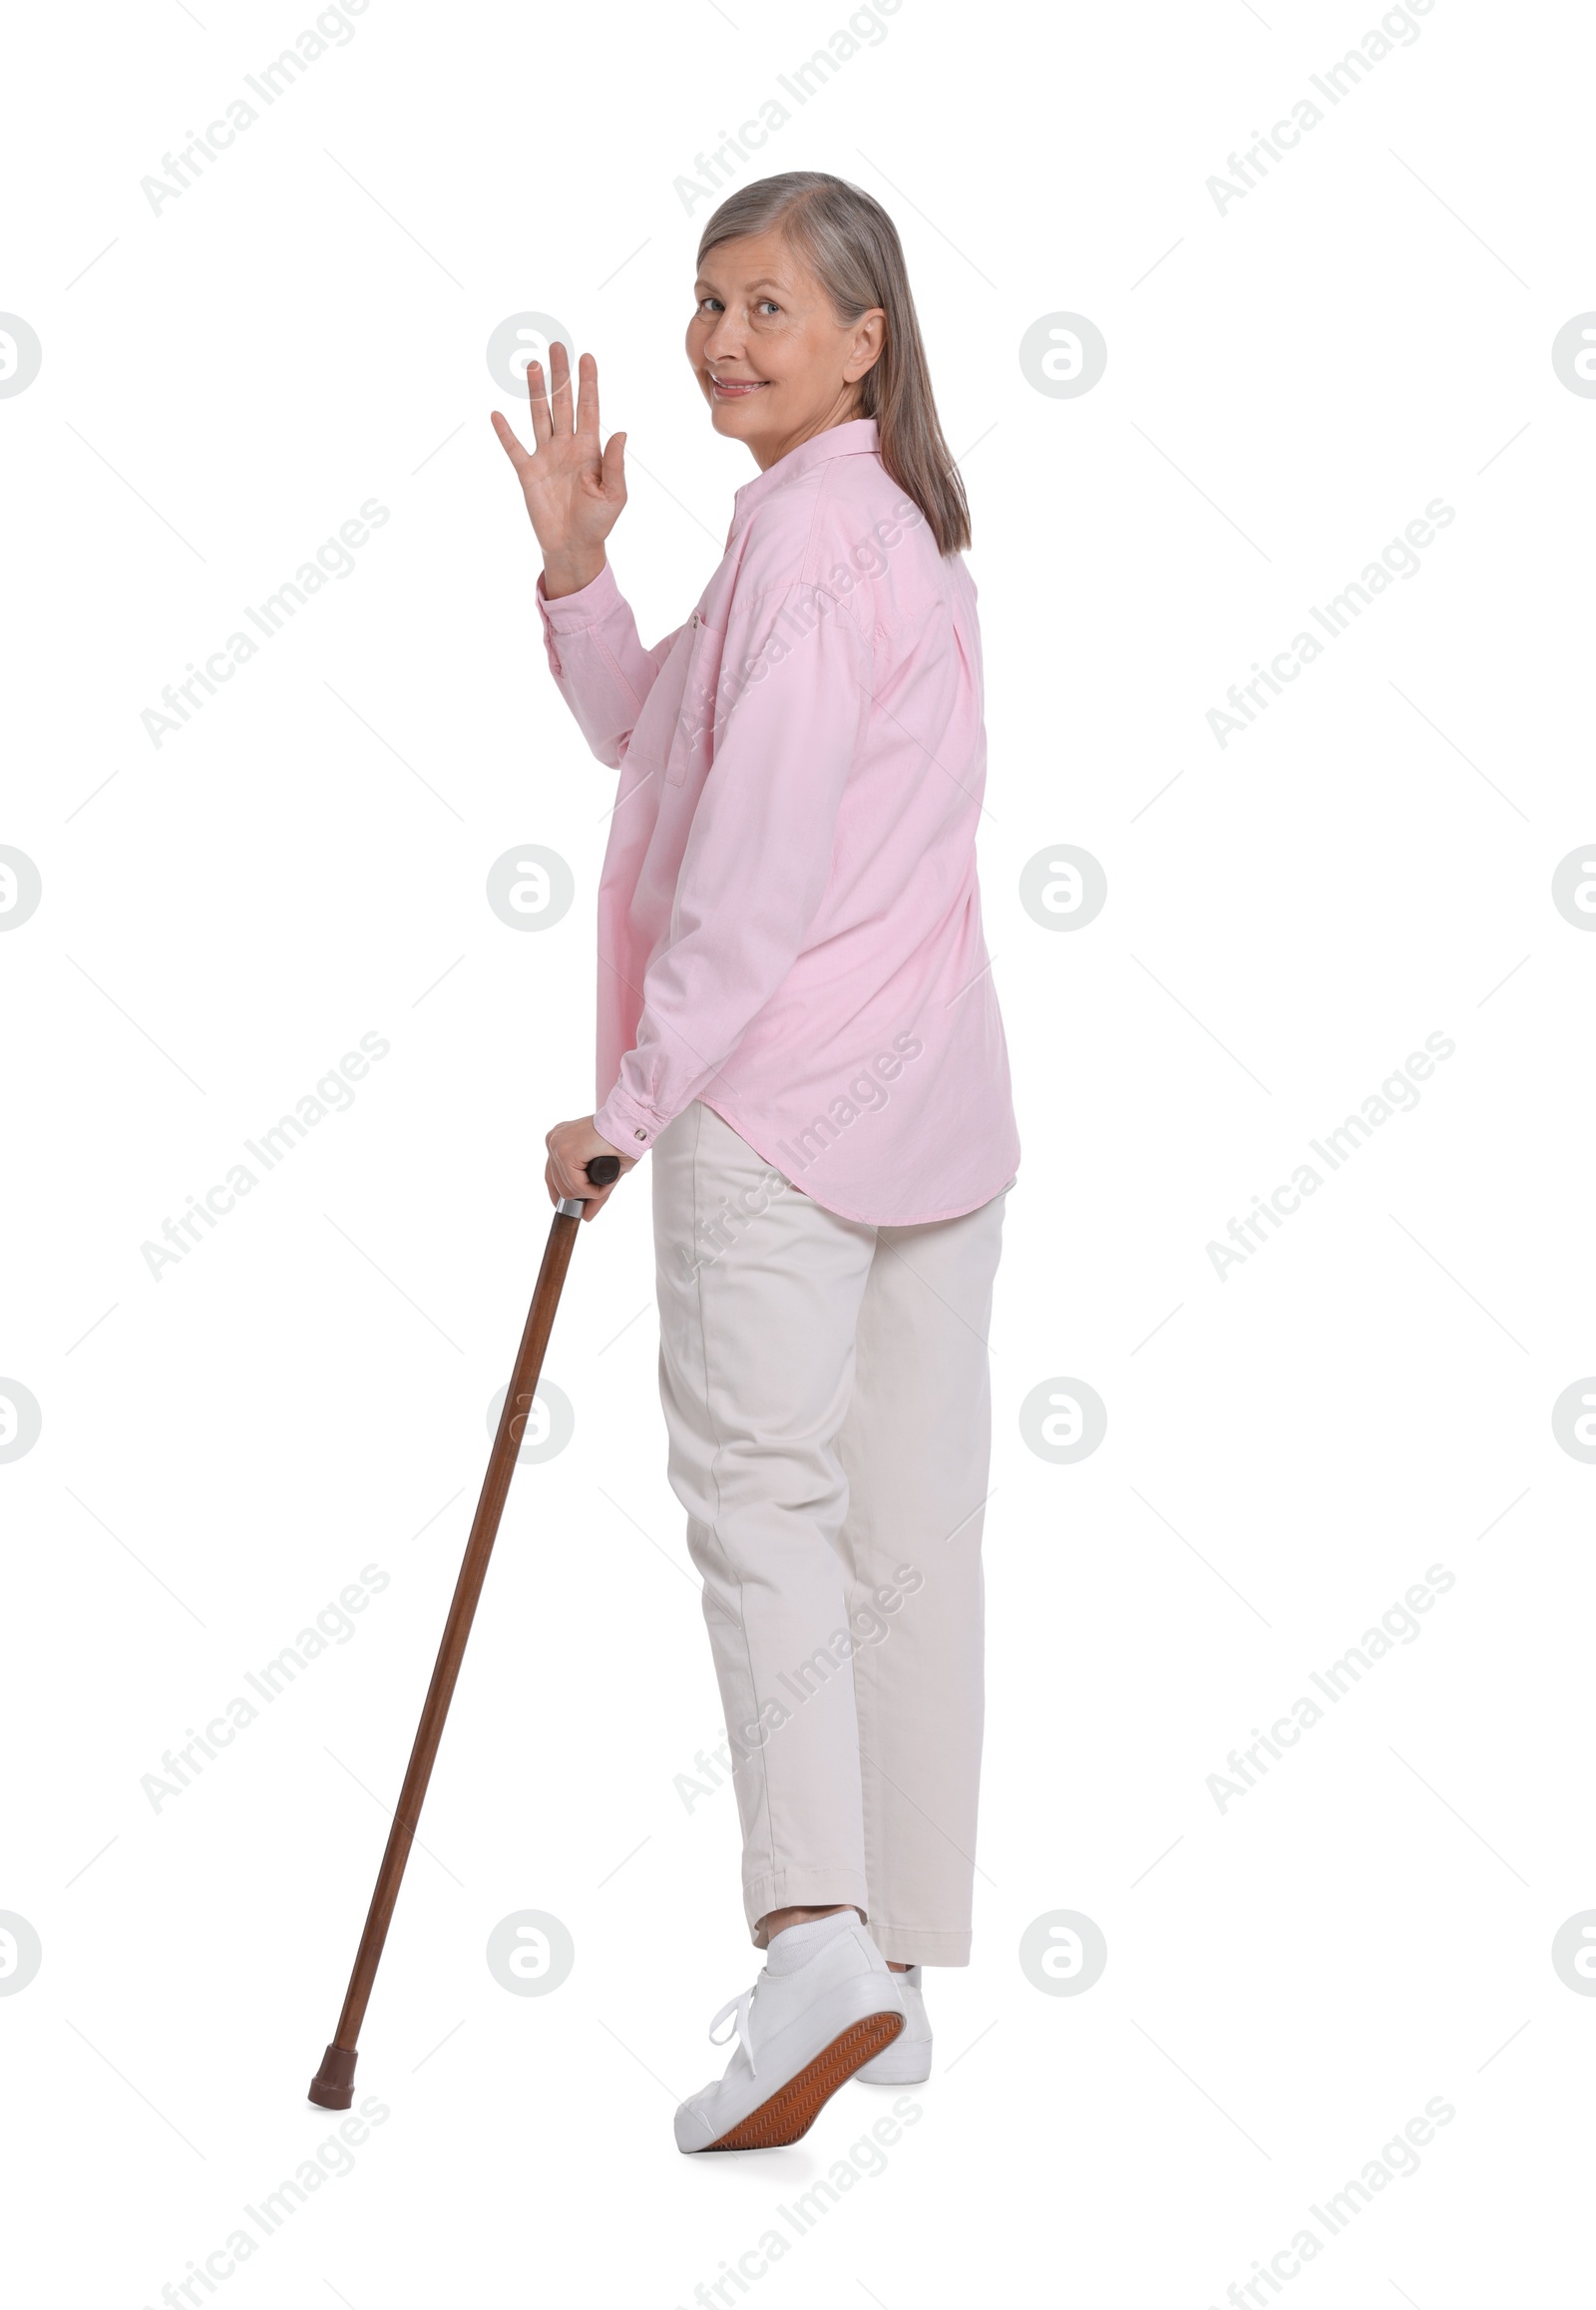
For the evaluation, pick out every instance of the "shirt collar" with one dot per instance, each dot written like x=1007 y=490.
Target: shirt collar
x=859 y=437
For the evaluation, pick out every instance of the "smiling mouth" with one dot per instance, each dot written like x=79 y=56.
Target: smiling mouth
x=735 y=388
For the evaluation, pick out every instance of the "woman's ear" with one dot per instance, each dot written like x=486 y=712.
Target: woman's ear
x=870 y=338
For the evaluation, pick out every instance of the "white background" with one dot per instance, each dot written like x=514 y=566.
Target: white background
x=1289 y=383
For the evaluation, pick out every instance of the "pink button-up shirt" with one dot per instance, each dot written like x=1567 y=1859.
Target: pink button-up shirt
x=789 y=922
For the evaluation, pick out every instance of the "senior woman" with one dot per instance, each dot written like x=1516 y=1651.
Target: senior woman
x=797 y=1021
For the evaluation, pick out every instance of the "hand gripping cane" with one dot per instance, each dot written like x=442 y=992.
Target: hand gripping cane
x=333 y=2086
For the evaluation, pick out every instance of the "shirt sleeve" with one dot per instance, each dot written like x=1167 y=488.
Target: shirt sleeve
x=798 y=671
x=601 y=669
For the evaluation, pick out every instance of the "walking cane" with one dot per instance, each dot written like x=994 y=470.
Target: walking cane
x=333 y=2086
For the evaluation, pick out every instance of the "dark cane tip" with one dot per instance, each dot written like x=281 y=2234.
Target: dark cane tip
x=333 y=2086
x=604 y=1171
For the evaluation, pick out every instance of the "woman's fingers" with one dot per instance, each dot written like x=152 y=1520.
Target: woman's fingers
x=588 y=402
x=558 y=414
x=559 y=1174
x=571 y=1146
x=561 y=395
x=511 y=447
x=538 y=395
x=613 y=470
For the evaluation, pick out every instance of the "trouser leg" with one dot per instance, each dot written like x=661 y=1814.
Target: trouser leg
x=914 y=1448
x=759 y=1291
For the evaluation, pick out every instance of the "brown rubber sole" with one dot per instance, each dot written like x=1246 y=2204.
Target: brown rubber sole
x=790 y=2113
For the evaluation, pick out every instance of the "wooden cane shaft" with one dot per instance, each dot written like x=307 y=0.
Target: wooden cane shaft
x=457 y=1628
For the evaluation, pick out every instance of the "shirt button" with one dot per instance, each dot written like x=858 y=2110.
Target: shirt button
x=639 y=1134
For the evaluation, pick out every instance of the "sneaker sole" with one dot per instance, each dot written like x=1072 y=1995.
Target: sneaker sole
x=790 y=2111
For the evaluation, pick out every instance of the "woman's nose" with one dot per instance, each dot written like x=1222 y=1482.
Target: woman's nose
x=724 y=340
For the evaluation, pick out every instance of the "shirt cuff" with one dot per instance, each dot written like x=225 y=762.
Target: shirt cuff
x=626 y=1125
x=571 y=612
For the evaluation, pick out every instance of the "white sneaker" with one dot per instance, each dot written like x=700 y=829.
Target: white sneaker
x=826 y=2002
x=906 y=2061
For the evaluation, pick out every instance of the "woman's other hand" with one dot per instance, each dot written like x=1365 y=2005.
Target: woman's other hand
x=573 y=493
x=571 y=1146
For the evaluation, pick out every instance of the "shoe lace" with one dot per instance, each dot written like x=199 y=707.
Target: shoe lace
x=740 y=2007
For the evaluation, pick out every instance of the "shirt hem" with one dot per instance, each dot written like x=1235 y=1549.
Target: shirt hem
x=859 y=1218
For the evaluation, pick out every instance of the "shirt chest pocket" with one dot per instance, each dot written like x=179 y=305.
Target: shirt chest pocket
x=691 y=740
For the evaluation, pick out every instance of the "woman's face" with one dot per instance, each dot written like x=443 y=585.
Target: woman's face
x=770 y=357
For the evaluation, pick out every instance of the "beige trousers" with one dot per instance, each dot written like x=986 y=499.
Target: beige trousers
x=826 y=1395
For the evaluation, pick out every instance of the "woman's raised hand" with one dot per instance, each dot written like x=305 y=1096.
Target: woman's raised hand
x=573 y=493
